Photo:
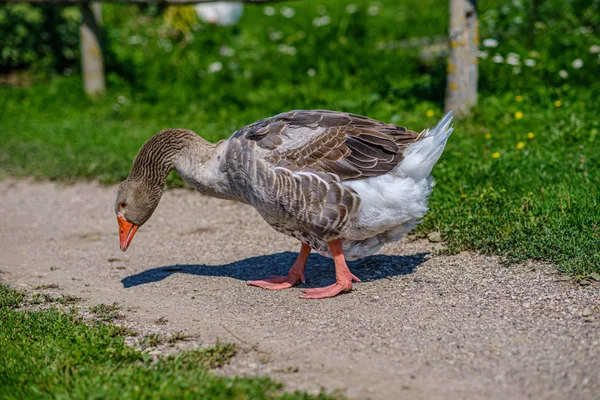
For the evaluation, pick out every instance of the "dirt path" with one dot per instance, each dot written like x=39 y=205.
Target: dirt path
x=419 y=326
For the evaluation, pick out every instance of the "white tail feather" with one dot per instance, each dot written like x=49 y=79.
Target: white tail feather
x=420 y=157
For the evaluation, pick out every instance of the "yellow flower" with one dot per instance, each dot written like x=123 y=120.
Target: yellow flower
x=531 y=135
x=429 y=113
x=488 y=135
x=520 y=145
x=518 y=115
x=496 y=155
x=558 y=103
x=519 y=98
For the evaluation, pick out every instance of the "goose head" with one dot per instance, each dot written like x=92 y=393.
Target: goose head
x=139 y=194
x=136 y=201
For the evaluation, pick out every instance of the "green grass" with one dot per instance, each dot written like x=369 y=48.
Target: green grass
x=537 y=200
x=52 y=354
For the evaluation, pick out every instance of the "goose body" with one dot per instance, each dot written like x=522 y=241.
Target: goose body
x=342 y=184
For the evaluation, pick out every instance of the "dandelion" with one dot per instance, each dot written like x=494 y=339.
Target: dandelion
x=351 y=8
x=215 y=67
x=595 y=49
x=286 y=49
x=563 y=74
x=498 y=59
x=321 y=21
x=519 y=98
x=373 y=9
x=490 y=43
x=311 y=72
x=429 y=113
x=269 y=11
x=513 y=59
x=496 y=155
x=226 y=51
x=275 y=35
x=529 y=62
x=558 y=103
x=519 y=115
x=531 y=135
x=488 y=136
x=288 y=12
x=577 y=63
x=520 y=145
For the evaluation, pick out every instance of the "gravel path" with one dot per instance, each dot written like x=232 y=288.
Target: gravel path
x=418 y=326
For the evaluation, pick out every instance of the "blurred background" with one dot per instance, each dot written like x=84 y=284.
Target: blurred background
x=520 y=174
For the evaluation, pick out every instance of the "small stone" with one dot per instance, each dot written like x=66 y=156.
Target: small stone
x=374 y=298
x=418 y=279
x=434 y=237
x=526 y=305
x=586 y=312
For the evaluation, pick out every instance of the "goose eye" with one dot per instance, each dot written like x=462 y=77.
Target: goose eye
x=123 y=204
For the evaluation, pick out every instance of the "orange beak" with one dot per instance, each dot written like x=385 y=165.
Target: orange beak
x=126 y=232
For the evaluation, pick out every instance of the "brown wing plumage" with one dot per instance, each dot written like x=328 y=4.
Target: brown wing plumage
x=348 y=145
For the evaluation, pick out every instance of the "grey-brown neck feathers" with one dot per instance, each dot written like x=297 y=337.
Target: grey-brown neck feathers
x=158 y=155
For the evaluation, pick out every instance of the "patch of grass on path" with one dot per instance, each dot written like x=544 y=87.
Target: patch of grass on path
x=52 y=354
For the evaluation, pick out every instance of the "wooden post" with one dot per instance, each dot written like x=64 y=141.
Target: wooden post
x=92 y=63
x=461 y=87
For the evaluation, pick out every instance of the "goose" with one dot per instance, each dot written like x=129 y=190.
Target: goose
x=340 y=183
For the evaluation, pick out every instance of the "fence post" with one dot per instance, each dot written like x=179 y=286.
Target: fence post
x=461 y=87
x=92 y=62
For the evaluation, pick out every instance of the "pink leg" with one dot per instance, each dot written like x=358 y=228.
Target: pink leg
x=295 y=275
x=343 y=276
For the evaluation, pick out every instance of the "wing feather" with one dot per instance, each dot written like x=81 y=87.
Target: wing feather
x=348 y=145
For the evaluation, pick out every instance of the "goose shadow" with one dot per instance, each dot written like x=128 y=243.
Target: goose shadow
x=319 y=269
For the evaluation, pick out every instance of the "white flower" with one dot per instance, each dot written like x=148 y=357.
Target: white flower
x=516 y=70
x=122 y=99
x=286 y=49
x=135 y=39
x=577 y=63
x=373 y=10
x=517 y=20
x=215 y=67
x=351 y=8
x=595 y=49
x=275 y=35
x=513 y=59
x=534 y=54
x=269 y=11
x=288 y=12
x=586 y=30
x=226 y=51
x=490 y=43
x=482 y=54
x=563 y=74
x=498 y=59
x=322 y=21
x=529 y=62
x=311 y=72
